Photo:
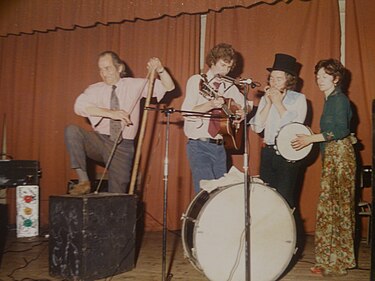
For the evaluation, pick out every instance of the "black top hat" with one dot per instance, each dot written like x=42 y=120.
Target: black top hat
x=284 y=63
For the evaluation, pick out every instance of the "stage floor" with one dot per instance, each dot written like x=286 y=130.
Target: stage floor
x=27 y=259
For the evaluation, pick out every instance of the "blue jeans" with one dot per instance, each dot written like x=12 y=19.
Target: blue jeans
x=207 y=161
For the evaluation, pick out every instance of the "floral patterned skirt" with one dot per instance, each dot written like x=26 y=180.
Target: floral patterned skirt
x=335 y=222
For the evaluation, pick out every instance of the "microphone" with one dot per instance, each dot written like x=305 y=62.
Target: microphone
x=241 y=81
x=245 y=81
x=250 y=83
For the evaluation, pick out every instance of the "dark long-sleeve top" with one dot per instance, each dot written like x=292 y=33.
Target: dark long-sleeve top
x=336 y=116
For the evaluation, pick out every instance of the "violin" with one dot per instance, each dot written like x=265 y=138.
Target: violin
x=206 y=90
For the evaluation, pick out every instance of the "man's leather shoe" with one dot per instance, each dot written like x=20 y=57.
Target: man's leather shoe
x=81 y=188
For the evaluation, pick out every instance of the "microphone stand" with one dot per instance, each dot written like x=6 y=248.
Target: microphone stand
x=167 y=112
x=246 y=84
x=246 y=196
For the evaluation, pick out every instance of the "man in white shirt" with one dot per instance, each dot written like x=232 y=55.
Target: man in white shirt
x=95 y=103
x=279 y=106
x=205 y=93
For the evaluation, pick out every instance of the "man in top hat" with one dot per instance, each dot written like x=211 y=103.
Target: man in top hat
x=279 y=106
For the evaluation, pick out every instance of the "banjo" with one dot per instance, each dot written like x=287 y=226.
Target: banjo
x=283 y=140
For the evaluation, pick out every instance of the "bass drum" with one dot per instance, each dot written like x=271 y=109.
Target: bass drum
x=213 y=233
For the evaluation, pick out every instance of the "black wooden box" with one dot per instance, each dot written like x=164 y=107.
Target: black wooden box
x=91 y=236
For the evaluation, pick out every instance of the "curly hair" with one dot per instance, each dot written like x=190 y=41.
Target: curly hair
x=222 y=51
x=117 y=62
x=332 y=67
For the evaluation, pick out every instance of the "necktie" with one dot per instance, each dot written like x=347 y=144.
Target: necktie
x=114 y=125
x=214 y=125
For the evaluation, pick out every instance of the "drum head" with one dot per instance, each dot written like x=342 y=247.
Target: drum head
x=286 y=134
x=219 y=235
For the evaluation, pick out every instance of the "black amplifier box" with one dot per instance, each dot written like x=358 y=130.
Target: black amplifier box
x=19 y=172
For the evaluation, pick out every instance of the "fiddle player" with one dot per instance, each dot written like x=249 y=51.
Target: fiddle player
x=114 y=99
x=279 y=106
x=205 y=146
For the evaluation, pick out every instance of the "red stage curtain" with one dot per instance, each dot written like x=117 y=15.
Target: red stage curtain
x=28 y=16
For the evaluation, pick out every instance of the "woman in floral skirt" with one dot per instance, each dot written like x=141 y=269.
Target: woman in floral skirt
x=335 y=222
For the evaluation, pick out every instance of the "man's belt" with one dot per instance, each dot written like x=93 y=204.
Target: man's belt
x=215 y=141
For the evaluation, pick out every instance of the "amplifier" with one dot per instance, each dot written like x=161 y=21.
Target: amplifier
x=91 y=236
x=19 y=172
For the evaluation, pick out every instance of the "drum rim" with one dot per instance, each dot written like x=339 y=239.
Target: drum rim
x=190 y=256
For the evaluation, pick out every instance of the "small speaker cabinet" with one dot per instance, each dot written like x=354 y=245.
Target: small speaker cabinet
x=91 y=236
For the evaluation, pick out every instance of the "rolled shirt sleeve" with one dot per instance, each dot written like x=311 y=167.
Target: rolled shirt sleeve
x=129 y=92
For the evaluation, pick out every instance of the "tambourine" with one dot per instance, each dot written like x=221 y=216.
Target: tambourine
x=283 y=140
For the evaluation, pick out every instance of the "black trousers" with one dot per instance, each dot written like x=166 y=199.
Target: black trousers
x=280 y=174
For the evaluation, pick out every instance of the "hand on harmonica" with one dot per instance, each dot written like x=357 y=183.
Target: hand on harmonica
x=273 y=95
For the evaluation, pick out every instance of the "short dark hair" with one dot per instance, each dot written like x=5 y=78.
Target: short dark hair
x=332 y=67
x=222 y=51
x=117 y=62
